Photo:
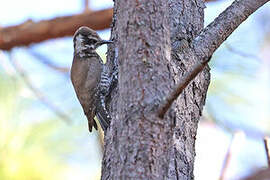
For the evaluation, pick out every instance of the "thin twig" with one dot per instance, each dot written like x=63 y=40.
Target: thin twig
x=233 y=145
x=86 y=6
x=38 y=93
x=226 y=162
x=189 y=76
x=230 y=128
x=44 y=60
x=267 y=149
x=240 y=53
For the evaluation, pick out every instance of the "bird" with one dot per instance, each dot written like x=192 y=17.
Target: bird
x=90 y=77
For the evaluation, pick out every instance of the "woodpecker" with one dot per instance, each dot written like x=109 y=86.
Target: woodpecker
x=90 y=77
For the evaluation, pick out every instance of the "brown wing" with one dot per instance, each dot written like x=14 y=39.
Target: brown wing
x=85 y=75
x=93 y=78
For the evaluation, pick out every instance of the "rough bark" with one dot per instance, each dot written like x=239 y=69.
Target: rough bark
x=138 y=144
x=186 y=21
x=137 y=141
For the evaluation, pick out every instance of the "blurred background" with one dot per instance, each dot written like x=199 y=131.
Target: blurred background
x=44 y=133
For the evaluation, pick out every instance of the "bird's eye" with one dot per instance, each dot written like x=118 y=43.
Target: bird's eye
x=92 y=41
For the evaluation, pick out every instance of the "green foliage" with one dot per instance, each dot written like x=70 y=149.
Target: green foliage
x=25 y=147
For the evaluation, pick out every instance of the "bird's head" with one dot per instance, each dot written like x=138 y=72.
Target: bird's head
x=86 y=39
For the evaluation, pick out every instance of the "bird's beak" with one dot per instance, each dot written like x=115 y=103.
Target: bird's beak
x=105 y=42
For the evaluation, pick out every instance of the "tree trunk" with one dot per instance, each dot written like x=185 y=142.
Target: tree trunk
x=155 y=44
x=137 y=139
x=139 y=145
x=186 y=22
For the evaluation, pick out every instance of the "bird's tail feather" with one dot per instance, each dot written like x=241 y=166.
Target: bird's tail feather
x=104 y=123
x=103 y=115
x=91 y=122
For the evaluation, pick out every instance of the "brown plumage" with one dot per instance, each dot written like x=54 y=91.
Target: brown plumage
x=86 y=71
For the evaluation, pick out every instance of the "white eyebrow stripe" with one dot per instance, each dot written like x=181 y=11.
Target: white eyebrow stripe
x=92 y=38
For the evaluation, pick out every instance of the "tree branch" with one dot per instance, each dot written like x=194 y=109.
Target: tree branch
x=260 y=175
x=205 y=44
x=39 y=94
x=31 y=32
x=189 y=76
x=49 y=63
x=221 y=28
